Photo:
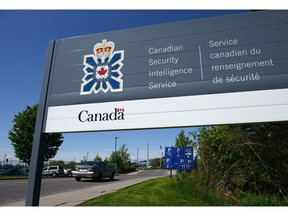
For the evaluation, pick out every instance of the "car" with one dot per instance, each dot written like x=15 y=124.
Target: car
x=53 y=171
x=4 y=172
x=93 y=169
x=67 y=172
x=10 y=172
x=24 y=171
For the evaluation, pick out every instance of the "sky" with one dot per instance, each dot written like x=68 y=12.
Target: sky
x=24 y=37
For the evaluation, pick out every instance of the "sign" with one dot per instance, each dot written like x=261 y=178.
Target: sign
x=178 y=158
x=221 y=70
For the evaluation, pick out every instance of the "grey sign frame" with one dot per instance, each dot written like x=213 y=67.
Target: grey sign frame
x=39 y=140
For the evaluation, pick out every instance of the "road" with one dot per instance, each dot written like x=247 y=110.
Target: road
x=60 y=191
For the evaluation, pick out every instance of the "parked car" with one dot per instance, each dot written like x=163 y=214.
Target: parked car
x=4 y=172
x=10 y=172
x=67 y=172
x=93 y=169
x=53 y=171
x=24 y=171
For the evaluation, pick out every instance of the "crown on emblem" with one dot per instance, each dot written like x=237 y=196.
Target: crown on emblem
x=104 y=49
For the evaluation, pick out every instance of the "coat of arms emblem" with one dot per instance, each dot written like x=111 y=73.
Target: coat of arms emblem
x=102 y=69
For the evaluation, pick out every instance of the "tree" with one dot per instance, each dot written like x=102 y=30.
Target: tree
x=155 y=163
x=57 y=163
x=98 y=157
x=218 y=156
x=182 y=140
x=124 y=164
x=70 y=165
x=268 y=141
x=21 y=136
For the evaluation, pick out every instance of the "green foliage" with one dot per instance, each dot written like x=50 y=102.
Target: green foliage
x=70 y=165
x=251 y=158
x=57 y=163
x=21 y=136
x=182 y=141
x=98 y=157
x=155 y=162
x=123 y=161
x=191 y=185
x=250 y=199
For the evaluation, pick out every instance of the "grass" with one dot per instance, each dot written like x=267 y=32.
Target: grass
x=157 y=192
x=170 y=192
x=13 y=177
x=246 y=199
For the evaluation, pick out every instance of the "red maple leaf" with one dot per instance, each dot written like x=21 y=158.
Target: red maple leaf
x=102 y=71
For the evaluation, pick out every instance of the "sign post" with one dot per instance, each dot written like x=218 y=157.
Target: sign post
x=39 y=140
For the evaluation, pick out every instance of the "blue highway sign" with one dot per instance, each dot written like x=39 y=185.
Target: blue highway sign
x=178 y=158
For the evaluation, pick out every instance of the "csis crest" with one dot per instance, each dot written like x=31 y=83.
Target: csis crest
x=102 y=71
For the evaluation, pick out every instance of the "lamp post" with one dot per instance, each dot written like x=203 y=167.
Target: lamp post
x=115 y=153
x=137 y=158
x=5 y=158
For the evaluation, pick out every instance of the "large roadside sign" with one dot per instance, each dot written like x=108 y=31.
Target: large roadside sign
x=222 y=70
x=229 y=69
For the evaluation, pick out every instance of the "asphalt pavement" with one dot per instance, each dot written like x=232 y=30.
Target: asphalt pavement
x=76 y=197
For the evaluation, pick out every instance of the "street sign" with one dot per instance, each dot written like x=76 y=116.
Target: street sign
x=178 y=158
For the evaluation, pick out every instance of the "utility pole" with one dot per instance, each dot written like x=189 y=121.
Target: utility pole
x=161 y=156
x=137 y=158
x=87 y=156
x=115 y=160
x=148 y=163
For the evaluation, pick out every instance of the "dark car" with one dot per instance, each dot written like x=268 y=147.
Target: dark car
x=93 y=169
x=10 y=172
x=4 y=172
x=24 y=171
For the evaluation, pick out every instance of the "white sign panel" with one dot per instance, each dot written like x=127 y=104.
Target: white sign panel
x=170 y=112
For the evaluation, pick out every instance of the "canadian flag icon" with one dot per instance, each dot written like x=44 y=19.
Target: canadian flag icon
x=120 y=109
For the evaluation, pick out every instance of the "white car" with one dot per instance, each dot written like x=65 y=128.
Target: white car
x=67 y=172
x=53 y=171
